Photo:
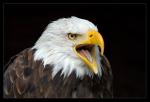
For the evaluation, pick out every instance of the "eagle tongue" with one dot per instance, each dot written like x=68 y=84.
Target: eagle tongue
x=86 y=54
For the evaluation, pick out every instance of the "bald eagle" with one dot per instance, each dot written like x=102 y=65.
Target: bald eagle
x=66 y=61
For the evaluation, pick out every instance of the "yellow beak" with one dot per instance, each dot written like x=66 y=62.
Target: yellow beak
x=92 y=38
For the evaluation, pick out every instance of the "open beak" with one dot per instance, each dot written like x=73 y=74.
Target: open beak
x=86 y=49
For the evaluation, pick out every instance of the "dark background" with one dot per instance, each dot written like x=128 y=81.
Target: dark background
x=123 y=27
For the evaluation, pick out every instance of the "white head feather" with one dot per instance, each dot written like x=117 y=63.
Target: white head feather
x=54 y=48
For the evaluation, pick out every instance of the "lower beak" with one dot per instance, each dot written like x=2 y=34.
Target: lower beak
x=86 y=49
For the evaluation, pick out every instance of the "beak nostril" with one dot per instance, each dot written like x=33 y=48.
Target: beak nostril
x=91 y=35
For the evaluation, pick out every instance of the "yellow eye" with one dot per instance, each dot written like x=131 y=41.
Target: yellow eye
x=72 y=36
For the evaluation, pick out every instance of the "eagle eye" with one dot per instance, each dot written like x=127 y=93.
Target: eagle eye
x=72 y=36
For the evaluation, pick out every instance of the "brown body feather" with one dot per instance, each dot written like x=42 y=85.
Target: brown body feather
x=26 y=78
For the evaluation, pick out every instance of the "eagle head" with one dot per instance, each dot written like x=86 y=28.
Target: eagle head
x=71 y=45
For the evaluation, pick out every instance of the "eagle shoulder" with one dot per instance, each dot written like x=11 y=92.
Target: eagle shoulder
x=23 y=76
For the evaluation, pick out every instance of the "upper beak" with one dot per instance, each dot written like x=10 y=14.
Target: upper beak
x=92 y=38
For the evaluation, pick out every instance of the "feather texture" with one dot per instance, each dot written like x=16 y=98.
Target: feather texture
x=26 y=78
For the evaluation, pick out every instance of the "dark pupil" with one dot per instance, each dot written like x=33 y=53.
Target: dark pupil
x=72 y=36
